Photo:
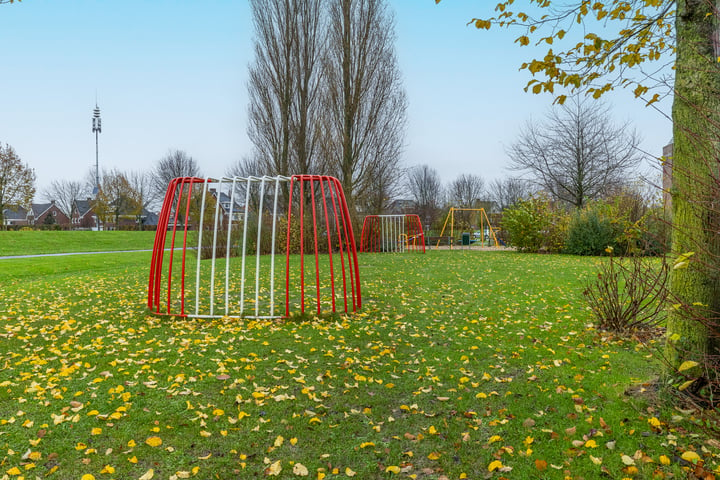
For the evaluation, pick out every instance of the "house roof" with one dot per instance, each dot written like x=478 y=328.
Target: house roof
x=40 y=208
x=224 y=200
x=83 y=207
x=151 y=218
x=15 y=213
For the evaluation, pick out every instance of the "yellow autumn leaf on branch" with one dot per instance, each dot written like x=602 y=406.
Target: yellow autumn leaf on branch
x=687 y=365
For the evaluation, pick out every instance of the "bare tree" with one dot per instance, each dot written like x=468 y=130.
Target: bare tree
x=245 y=167
x=466 y=190
x=385 y=186
x=577 y=154
x=176 y=163
x=64 y=193
x=284 y=84
x=141 y=182
x=17 y=181
x=423 y=183
x=116 y=198
x=364 y=101
x=507 y=191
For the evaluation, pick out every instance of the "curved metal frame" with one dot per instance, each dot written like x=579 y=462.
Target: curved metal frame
x=392 y=233
x=169 y=275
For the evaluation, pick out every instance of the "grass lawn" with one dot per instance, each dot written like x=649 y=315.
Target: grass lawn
x=38 y=241
x=461 y=364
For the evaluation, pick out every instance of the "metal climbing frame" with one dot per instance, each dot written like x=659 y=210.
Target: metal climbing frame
x=484 y=220
x=231 y=230
x=392 y=233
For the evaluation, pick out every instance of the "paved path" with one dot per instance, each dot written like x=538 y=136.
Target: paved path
x=70 y=253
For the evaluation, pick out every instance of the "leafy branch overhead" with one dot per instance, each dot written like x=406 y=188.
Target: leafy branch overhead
x=640 y=35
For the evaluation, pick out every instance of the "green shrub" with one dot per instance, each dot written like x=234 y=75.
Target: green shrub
x=589 y=234
x=535 y=225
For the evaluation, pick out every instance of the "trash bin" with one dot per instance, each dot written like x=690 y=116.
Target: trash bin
x=465 y=239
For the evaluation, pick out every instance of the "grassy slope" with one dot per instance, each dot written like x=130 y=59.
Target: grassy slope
x=37 y=242
x=459 y=362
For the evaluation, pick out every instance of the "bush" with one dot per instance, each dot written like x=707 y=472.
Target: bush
x=589 y=234
x=629 y=294
x=535 y=225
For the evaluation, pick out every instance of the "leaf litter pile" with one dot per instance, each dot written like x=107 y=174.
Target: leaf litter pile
x=460 y=365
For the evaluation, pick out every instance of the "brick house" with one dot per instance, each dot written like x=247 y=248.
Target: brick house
x=83 y=215
x=15 y=216
x=47 y=214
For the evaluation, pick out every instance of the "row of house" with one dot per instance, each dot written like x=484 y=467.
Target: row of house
x=82 y=217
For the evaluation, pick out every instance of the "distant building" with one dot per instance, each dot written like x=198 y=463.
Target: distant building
x=15 y=216
x=402 y=206
x=667 y=176
x=83 y=215
x=47 y=214
x=226 y=205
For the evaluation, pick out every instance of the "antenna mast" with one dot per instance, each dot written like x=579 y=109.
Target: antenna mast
x=96 y=128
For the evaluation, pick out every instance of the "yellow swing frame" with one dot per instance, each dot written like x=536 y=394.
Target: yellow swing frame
x=451 y=217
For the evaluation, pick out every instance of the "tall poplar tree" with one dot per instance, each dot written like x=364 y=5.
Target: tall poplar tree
x=364 y=108
x=284 y=84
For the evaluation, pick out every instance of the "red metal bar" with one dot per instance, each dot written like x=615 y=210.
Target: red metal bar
x=287 y=253
x=315 y=235
x=334 y=197
x=364 y=244
x=187 y=224
x=159 y=249
x=177 y=195
x=302 y=246
x=350 y=239
x=330 y=252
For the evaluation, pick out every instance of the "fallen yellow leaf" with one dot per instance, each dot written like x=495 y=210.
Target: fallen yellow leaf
x=154 y=441
x=300 y=470
x=690 y=456
x=274 y=469
x=148 y=475
x=494 y=465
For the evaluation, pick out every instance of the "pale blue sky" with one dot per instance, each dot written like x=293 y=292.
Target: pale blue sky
x=172 y=74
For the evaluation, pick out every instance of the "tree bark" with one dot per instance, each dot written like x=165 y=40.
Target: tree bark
x=695 y=291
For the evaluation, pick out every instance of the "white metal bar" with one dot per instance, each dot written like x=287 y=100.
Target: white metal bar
x=199 y=250
x=244 y=246
x=272 y=249
x=382 y=234
x=227 y=249
x=257 y=248
x=214 y=248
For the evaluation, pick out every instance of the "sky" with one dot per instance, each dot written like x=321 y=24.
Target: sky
x=172 y=74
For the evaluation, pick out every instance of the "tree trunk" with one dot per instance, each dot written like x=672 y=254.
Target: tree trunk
x=695 y=292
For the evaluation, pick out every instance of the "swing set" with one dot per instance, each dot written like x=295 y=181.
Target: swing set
x=484 y=221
